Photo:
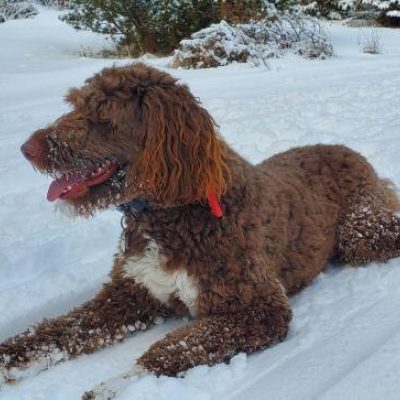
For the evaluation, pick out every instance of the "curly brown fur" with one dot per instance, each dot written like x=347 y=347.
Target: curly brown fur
x=103 y=321
x=217 y=338
x=368 y=233
x=141 y=134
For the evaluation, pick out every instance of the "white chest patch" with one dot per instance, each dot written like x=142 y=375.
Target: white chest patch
x=148 y=270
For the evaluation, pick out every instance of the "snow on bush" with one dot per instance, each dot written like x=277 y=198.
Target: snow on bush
x=16 y=9
x=386 y=12
x=370 y=41
x=390 y=11
x=393 y=14
x=222 y=43
x=157 y=26
x=143 y=26
x=57 y=4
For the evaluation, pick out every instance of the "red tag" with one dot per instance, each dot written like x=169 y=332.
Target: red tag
x=215 y=204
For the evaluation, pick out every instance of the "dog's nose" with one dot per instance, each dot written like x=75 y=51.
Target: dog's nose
x=31 y=149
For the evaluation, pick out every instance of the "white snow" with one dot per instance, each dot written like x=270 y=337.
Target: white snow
x=393 y=14
x=344 y=341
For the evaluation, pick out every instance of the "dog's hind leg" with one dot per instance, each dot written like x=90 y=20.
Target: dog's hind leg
x=369 y=231
x=119 y=309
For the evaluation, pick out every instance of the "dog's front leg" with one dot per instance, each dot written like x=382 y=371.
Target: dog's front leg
x=216 y=339
x=207 y=341
x=119 y=309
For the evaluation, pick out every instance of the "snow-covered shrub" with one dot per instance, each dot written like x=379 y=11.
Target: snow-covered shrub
x=349 y=6
x=330 y=9
x=16 y=9
x=370 y=41
x=386 y=12
x=57 y=4
x=389 y=11
x=154 y=26
x=289 y=31
x=325 y=8
x=223 y=43
x=220 y=44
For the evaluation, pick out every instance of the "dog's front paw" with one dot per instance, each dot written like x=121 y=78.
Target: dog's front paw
x=8 y=372
x=4 y=376
x=19 y=358
x=111 y=388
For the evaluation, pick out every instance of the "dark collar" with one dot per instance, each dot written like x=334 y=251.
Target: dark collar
x=134 y=207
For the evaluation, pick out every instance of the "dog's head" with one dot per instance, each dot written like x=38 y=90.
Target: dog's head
x=133 y=132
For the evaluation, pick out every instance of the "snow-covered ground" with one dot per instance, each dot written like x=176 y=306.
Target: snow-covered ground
x=344 y=341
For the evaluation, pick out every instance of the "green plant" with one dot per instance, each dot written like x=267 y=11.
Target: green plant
x=156 y=26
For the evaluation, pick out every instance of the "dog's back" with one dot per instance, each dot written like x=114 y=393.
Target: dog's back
x=323 y=185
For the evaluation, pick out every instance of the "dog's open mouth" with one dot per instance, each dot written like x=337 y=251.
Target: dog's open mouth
x=77 y=184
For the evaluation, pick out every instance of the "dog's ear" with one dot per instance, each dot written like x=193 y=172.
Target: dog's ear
x=182 y=156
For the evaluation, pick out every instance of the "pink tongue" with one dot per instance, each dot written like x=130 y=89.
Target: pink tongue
x=59 y=186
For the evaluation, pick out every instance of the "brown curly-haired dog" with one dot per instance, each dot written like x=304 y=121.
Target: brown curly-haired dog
x=138 y=139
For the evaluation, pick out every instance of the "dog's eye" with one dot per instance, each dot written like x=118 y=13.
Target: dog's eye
x=99 y=127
